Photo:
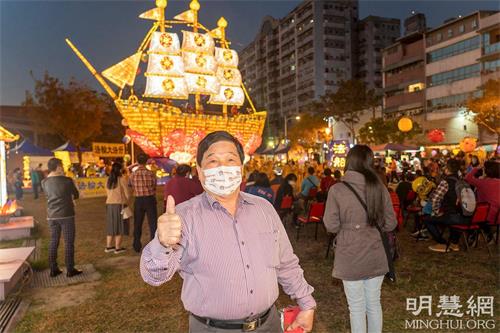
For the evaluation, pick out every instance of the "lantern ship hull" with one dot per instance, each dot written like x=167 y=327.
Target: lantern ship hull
x=202 y=65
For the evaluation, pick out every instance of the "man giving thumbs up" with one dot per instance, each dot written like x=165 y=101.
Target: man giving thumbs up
x=230 y=248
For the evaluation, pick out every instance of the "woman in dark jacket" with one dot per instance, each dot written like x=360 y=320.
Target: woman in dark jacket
x=360 y=260
x=285 y=189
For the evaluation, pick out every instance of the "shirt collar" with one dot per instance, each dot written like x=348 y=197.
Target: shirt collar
x=243 y=198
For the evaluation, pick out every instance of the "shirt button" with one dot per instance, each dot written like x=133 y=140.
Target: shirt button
x=242 y=243
x=357 y=226
x=248 y=266
x=251 y=291
x=251 y=313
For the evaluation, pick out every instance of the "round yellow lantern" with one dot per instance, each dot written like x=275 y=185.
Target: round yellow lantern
x=405 y=124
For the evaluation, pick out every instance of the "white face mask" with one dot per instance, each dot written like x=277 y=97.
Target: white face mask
x=222 y=180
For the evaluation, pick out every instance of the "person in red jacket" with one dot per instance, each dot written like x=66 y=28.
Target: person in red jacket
x=181 y=187
x=488 y=187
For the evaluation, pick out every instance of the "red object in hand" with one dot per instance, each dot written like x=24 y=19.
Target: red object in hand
x=289 y=315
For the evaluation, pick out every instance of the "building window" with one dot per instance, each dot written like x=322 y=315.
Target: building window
x=450 y=32
x=474 y=24
x=292 y=68
x=454 y=49
x=461 y=28
x=415 y=87
x=457 y=74
x=439 y=37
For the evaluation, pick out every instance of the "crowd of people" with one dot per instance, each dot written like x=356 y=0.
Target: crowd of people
x=365 y=199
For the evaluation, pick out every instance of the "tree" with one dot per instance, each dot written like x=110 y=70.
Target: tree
x=348 y=103
x=307 y=131
x=379 y=131
x=74 y=112
x=486 y=109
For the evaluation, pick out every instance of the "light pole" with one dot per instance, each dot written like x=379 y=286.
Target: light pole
x=286 y=124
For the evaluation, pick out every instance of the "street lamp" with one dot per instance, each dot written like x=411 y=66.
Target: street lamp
x=286 y=124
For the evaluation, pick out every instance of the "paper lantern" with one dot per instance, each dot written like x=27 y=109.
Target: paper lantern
x=146 y=145
x=436 y=135
x=468 y=144
x=126 y=158
x=405 y=124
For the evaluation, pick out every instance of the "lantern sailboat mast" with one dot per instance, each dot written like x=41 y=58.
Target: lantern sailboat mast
x=196 y=66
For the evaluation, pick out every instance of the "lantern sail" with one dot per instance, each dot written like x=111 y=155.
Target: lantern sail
x=165 y=72
x=124 y=72
x=230 y=91
x=199 y=63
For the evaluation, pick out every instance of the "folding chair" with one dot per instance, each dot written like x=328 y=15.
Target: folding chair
x=479 y=219
x=285 y=207
x=315 y=215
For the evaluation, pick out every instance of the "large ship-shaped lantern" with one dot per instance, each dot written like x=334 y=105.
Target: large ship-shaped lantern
x=202 y=65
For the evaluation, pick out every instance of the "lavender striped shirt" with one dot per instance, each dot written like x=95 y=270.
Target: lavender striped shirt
x=231 y=266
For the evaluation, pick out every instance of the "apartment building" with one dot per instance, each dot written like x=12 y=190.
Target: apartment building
x=300 y=57
x=453 y=75
x=374 y=34
x=404 y=77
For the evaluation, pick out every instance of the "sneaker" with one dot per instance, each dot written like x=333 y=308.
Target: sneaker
x=73 y=272
x=422 y=237
x=442 y=248
x=120 y=250
x=109 y=249
x=55 y=273
x=421 y=232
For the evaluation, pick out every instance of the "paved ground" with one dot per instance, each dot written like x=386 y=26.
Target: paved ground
x=121 y=301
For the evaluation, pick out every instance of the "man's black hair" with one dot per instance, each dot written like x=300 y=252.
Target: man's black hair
x=214 y=137
x=327 y=172
x=142 y=159
x=310 y=170
x=53 y=163
x=453 y=166
x=182 y=170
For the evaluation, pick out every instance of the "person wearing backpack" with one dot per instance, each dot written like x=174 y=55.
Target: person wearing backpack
x=310 y=182
x=451 y=205
x=359 y=210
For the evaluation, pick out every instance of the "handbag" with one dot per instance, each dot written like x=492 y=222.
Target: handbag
x=388 y=239
x=126 y=211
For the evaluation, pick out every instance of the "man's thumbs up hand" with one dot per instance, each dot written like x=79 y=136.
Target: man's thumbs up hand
x=170 y=225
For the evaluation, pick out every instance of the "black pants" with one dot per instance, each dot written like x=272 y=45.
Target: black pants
x=67 y=227
x=433 y=223
x=144 y=206
x=36 y=189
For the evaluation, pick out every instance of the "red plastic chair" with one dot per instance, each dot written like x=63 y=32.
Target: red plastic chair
x=315 y=215
x=496 y=224
x=479 y=218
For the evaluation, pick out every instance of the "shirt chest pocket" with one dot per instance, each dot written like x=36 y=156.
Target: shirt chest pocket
x=269 y=243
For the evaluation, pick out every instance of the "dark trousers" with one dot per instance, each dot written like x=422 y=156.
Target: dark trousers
x=67 y=226
x=144 y=206
x=36 y=189
x=433 y=226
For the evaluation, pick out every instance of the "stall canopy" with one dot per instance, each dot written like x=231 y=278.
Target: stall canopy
x=280 y=149
x=28 y=148
x=394 y=146
x=70 y=148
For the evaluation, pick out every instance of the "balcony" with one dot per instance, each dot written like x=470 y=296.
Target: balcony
x=492 y=48
x=409 y=75
x=404 y=99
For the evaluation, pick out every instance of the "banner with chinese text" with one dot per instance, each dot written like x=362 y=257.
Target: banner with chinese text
x=337 y=153
x=103 y=149
x=91 y=187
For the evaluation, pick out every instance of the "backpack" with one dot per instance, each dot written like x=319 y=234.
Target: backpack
x=466 y=197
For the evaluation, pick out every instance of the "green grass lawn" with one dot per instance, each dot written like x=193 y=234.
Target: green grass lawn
x=122 y=302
